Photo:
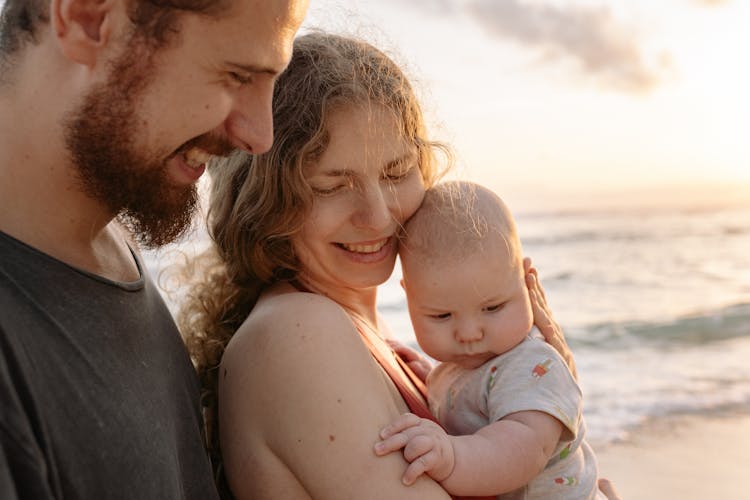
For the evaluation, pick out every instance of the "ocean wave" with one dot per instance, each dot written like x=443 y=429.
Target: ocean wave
x=727 y=323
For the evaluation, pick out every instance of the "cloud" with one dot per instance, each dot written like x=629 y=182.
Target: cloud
x=592 y=37
x=712 y=3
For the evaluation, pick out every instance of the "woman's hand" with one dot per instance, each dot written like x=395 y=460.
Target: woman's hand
x=543 y=317
x=420 y=365
x=606 y=487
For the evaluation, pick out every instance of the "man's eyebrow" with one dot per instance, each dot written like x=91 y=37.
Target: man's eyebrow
x=253 y=68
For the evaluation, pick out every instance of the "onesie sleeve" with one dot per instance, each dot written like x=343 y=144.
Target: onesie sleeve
x=533 y=376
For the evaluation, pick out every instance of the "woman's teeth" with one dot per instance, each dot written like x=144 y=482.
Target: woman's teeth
x=196 y=157
x=370 y=248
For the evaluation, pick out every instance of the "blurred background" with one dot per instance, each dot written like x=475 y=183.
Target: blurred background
x=617 y=133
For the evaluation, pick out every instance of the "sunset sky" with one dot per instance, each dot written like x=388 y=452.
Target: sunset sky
x=570 y=101
x=561 y=101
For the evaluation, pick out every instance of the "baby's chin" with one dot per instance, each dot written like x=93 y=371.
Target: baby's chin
x=472 y=361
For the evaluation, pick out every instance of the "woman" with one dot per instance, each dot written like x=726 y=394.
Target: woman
x=304 y=234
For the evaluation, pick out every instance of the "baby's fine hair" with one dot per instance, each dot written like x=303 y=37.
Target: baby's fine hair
x=455 y=221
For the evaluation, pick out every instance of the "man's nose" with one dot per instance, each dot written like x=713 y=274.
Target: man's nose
x=250 y=122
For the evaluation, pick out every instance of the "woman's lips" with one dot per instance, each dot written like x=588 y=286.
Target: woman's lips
x=368 y=247
x=368 y=251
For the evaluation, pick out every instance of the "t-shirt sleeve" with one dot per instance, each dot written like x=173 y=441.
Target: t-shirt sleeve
x=533 y=376
x=23 y=472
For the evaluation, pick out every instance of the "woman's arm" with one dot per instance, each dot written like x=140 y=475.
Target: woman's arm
x=498 y=458
x=543 y=319
x=301 y=403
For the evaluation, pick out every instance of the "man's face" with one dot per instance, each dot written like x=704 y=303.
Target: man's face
x=141 y=139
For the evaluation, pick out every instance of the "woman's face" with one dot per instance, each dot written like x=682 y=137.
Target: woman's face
x=365 y=185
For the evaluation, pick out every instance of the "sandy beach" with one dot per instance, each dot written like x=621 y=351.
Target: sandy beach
x=689 y=458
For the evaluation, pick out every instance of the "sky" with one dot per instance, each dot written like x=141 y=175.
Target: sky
x=566 y=102
x=563 y=102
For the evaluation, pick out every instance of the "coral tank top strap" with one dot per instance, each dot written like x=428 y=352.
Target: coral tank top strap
x=410 y=387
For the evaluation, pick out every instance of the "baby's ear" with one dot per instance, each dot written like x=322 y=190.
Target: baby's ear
x=403 y=285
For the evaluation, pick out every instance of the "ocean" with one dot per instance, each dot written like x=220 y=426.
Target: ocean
x=655 y=304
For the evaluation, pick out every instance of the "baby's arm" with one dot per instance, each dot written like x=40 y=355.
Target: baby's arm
x=498 y=458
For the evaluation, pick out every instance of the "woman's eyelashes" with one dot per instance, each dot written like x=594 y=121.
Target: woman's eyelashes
x=328 y=191
x=398 y=172
x=393 y=175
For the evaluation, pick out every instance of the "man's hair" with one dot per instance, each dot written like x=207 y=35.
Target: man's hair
x=456 y=220
x=154 y=20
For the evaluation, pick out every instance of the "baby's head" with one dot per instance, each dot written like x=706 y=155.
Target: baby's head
x=463 y=275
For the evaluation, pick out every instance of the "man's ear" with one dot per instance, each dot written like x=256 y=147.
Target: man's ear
x=83 y=27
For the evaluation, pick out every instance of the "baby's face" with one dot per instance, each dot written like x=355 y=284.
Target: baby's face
x=469 y=311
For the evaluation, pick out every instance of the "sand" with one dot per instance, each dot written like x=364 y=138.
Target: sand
x=686 y=458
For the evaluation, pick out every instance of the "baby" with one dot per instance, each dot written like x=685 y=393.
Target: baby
x=509 y=404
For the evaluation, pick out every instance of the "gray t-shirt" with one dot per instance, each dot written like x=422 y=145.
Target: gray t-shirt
x=98 y=397
x=530 y=377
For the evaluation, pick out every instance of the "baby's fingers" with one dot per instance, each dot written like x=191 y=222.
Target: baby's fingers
x=419 y=466
x=400 y=424
x=391 y=444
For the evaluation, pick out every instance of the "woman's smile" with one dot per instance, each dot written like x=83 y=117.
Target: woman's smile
x=369 y=251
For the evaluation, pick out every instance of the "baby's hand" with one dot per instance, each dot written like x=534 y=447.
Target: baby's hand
x=420 y=365
x=427 y=447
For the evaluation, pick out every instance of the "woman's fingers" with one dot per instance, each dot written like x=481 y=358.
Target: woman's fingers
x=545 y=323
x=606 y=487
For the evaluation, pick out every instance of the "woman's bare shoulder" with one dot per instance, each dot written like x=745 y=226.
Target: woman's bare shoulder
x=283 y=322
x=305 y=390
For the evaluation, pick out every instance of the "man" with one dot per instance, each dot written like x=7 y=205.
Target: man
x=109 y=110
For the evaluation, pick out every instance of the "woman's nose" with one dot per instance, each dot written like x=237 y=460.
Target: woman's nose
x=375 y=209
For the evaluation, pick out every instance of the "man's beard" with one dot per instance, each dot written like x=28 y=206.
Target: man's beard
x=101 y=138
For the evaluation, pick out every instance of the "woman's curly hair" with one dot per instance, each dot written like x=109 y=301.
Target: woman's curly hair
x=259 y=202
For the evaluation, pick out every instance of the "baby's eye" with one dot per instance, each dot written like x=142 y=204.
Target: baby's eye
x=493 y=308
x=440 y=316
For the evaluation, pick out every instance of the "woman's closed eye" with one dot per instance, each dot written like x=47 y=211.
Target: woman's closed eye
x=398 y=173
x=328 y=191
x=331 y=186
